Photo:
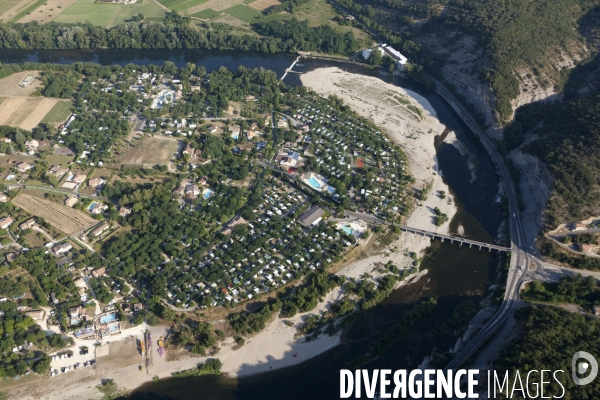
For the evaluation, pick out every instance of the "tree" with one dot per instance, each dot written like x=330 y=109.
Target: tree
x=42 y=365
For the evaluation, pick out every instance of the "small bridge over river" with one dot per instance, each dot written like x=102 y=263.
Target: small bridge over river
x=454 y=239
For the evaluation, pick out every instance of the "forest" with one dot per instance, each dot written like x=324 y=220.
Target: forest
x=518 y=34
x=568 y=143
x=550 y=336
x=570 y=289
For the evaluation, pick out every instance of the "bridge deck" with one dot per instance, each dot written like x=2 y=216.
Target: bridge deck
x=452 y=239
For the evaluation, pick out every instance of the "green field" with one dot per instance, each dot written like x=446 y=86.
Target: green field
x=245 y=13
x=88 y=11
x=150 y=9
x=206 y=14
x=180 y=5
x=58 y=114
x=108 y=14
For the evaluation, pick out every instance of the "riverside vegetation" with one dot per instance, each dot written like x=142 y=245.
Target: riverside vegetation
x=175 y=32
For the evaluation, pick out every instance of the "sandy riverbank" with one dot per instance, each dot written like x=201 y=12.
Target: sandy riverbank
x=276 y=346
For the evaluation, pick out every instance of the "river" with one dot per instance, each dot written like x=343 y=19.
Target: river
x=456 y=275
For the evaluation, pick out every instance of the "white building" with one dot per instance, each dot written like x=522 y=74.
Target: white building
x=401 y=61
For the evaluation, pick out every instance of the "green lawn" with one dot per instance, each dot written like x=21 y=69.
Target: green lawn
x=88 y=11
x=58 y=114
x=147 y=7
x=206 y=14
x=243 y=12
x=180 y=5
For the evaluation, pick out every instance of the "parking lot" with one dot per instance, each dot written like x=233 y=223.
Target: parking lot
x=66 y=361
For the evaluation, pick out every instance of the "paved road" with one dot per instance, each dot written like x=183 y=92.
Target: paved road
x=521 y=250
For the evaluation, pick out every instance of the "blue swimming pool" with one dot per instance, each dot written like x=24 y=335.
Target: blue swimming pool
x=314 y=183
x=114 y=328
x=330 y=189
x=347 y=229
x=108 y=318
x=207 y=193
x=92 y=206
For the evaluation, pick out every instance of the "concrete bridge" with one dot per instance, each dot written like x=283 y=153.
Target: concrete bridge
x=433 y=235
x=453 y=239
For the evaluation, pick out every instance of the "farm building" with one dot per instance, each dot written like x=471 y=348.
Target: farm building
x=27 y=81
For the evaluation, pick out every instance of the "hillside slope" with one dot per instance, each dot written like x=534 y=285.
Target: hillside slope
x=498 y=55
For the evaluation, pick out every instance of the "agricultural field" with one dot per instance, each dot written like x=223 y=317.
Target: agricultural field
x=150 y=151
x=63 y=218
x=11 y=11
x=58 y=114
x=149 y=8
x=9 y=8
x=180 y=5
x=88 y=11
x=243 y=12
x=9 y=86
x=217 y=5
x=46 y=11
x=24 y=112
x=17 y=108
x=206 y=14
x=262 y=5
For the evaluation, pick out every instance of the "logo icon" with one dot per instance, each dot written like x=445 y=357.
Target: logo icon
x=583 y=366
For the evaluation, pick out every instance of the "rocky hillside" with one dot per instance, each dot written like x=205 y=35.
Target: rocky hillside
x=499 y=55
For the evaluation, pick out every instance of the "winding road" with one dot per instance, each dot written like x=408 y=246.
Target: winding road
x=522 y=252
